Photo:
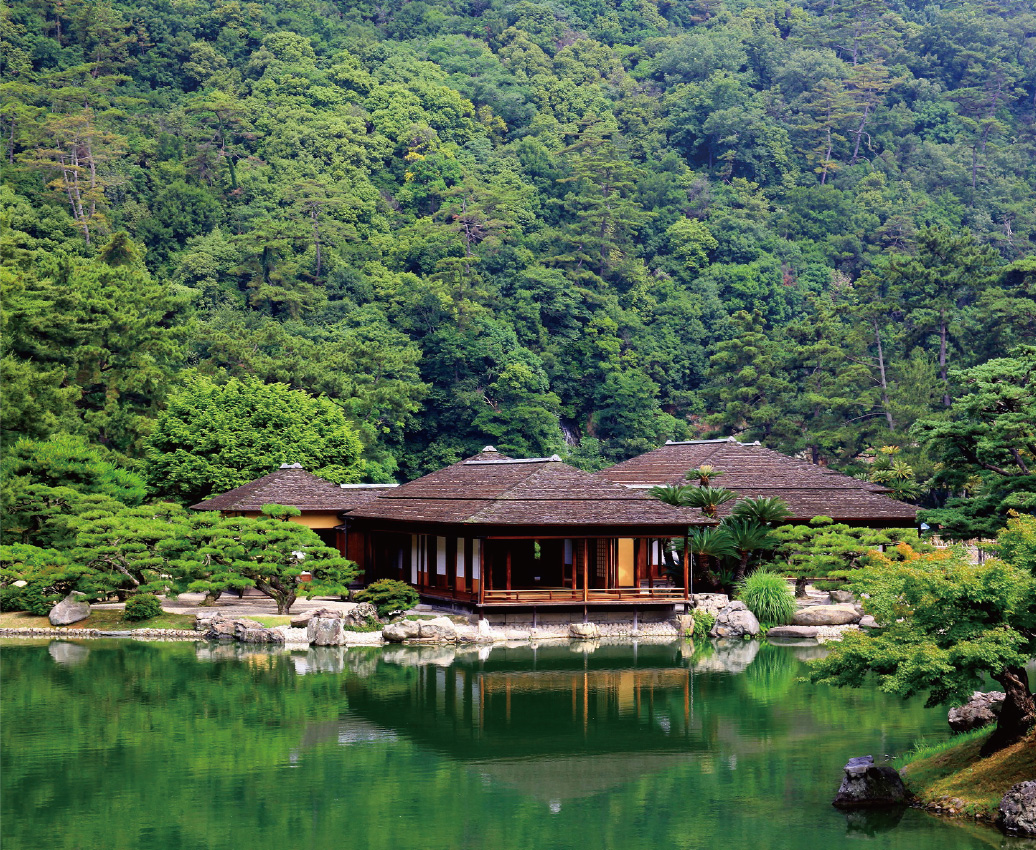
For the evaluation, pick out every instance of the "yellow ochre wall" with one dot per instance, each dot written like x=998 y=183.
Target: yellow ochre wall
x=310 y=519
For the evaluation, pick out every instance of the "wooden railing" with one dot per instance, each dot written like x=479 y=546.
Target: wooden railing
x=595 y=594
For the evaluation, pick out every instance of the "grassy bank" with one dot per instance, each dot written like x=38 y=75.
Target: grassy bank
x=107 y=620
x=952 y=777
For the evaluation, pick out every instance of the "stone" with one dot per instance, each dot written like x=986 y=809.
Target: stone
x=842 y=596
x=735 y=621
x=868 y=622
x=1018 y=809
x=243 y=624
x=685 y=624
x=792 y=632
x=69 y=610
x=325 y=631
x=203 y=620
x=220 y=629
x=584 y=631
x=301 y=621
x=362 y=614
x=401 y=631
x=260 y=635
x=826 y=615
x=438 y=630
x=867 y=785
x=713 y=603
x=981 y=710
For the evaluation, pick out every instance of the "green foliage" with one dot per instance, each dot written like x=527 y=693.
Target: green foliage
x=389 y=596
x=986 y=448
x=703 y=623
x=768 y=596
x=37 y=599
x=581 y=229
x=947 y=623
x=767 y=510
x=214 y=437
x=830 y=550
x=143 y=606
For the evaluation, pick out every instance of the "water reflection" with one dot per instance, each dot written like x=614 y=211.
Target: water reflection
x=549 y=745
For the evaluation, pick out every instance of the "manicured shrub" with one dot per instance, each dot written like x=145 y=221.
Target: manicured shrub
x=703 y=623
x=143 y=606
x=37 y=599
x=10 y=599
x=769 y=597
x=389 y=596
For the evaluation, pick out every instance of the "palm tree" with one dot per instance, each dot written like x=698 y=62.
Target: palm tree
x=704 y=473
x=708 y=543
x=672 y=494
x=746 y=536
x=708 y=498
x=768 y=510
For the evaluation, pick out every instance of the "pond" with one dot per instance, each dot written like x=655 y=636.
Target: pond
x=122 y=744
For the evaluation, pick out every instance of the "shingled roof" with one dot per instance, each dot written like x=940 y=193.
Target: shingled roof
x=751 y=470
x=493 y=489
x=291 y=485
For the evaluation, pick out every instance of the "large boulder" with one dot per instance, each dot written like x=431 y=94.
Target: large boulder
x=360 y=615
x=439 y=630
x=735 y=621
x=713 y=603
x=584 y=631
x=1018 y=809
x=685 y=624
x=826 y=615
x=301 y=621
x=792 y=632
x=69 y=610
x=842 y=596
x=220 y=628
x=982 y=709
x=867 y=785
x=401 y=631
x=325 y=631
x=259 y=635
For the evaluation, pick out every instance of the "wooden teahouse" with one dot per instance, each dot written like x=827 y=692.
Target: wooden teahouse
x=321 y=502
x=497 y=532
x=753 y=471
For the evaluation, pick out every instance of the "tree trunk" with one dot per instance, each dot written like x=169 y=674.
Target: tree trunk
x=884 y=380
x=1018 y=713
x=742 y=566
x=943 y=373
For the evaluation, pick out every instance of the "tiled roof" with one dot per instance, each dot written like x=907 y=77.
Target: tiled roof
x=290 y=485
x=751 y=470
x=493 y=489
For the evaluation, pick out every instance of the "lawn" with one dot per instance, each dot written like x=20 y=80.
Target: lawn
x=955 y=770
x=106 y=620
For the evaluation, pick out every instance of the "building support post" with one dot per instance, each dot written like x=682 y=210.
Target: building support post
x=586 y=573
x=686 y=568
x=508 y=567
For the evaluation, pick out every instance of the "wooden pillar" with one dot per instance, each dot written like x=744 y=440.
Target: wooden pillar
x=508 y=567
x=481 y=571
x=686 y=567
x=586 y=568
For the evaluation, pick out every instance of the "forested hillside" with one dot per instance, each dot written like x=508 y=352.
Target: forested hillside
x=577 y=226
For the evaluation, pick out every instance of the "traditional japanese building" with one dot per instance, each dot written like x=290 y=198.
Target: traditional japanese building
x=494 y=531
x=497 y=533
x=321 y=502
x=753 y=471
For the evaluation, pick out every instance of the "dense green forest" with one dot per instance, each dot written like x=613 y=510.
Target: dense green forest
x=576 y=226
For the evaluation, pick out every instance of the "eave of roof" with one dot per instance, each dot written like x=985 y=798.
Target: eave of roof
x=753 y=471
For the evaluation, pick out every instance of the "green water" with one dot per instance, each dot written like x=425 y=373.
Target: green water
x=113 y=745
